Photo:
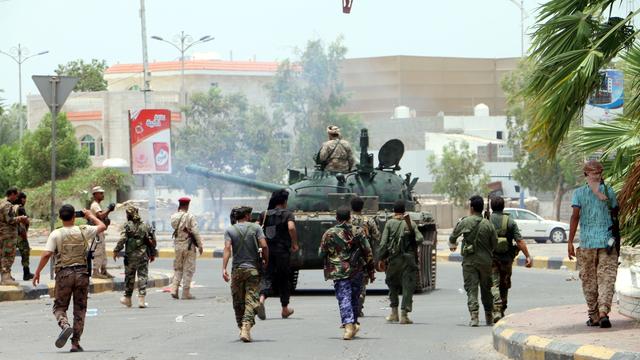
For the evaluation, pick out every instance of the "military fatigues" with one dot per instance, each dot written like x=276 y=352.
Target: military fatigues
x=100 y=253
x=503 y=256
x=337 y=155
x=401 y=271
x=22 y=240
x=372 y=232
x=8 y=237
x=480 y=239
x=135 y=235
x=184 y=264
x=347 y=255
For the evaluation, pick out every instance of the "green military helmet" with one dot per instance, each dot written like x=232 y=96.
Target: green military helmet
x=132 y=213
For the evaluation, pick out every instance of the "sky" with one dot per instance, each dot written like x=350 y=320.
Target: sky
x=268 y=30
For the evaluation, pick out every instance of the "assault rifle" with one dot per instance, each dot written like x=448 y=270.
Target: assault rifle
x=90 y=252
x=151 y=242
x=615 y=223
x=412 y=237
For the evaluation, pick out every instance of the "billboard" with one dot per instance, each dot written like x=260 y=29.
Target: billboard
x=607 y=100
x=150 y=141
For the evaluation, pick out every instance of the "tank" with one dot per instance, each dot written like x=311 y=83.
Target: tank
x=316 y=195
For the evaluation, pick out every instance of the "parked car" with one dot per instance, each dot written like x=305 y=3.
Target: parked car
x=533 y=226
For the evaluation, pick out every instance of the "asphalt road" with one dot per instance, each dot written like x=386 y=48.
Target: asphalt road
x=208 y=331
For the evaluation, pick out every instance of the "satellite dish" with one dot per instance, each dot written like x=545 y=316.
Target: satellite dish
x=390 y=154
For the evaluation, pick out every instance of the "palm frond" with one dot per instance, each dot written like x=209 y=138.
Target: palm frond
x=629 y=199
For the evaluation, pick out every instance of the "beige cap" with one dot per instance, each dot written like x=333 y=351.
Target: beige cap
x=97 y=189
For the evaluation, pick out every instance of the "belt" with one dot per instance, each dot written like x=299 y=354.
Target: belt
x=73 y=267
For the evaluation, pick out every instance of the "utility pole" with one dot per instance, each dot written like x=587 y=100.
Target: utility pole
x=523 y=15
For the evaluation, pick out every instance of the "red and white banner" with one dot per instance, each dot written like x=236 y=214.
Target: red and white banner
x=150 y=141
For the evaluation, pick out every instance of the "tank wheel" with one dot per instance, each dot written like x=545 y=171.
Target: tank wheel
x=293 y=279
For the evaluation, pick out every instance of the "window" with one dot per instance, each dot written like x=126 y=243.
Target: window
x=499 y=135
x=523 y=215
x=88 y=142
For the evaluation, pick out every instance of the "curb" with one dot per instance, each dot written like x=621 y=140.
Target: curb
x=27 y=292
x=521 y=346
x=539 y=262
x=163 y=253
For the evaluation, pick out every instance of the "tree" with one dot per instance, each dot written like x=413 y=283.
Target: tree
x=35 y=153
x=459 y=174
x=310 y=92
x=10 y=123
x=9 y=158
x=91 y=75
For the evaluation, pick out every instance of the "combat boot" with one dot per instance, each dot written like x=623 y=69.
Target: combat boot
x=174 y=292
x=27 y=274
x=349 y=331
x=474 y=319
x=186 y=294
x=356 y=328
x=107 y=275
x=497 y=316
x=488 y=318
x=245 y=332
x=141 y=303
x=404 y=318
x=5 y=279
x=393 y=317
x=98 y=275
x=126 y=301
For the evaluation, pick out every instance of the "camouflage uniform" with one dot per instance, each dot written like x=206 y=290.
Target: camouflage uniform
x=347 y=254
x=134 y=240
x=184 y=264
x=503 y=260
x=8 y=236
x=23 y=241
x=598 y=271
x=337 y=155
x=480 y=239
x=401 y=270
x=370 y=227
x=100 y=254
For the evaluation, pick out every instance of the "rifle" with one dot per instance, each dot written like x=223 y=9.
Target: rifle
x=487 y=212
x=90 y=251
x=151 y=242
x=615 y=223
x=412 y=235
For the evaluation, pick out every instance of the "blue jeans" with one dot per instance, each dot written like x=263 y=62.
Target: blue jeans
x=348 y=295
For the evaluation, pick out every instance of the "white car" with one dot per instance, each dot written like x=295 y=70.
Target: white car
x=533 y=226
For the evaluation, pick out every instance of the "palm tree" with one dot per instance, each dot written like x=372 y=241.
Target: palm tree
x=572 y=42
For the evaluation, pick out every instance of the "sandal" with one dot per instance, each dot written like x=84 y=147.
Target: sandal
x=604 y=322
x=590 y=322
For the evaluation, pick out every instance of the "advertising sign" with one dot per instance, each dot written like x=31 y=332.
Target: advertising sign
x=150 y=141
x=607 y=101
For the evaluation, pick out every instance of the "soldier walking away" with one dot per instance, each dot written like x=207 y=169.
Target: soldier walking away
x=23 y=240
x=100 y=254
x=480 y=240
x=372 y=233
x=282 y=239
x=9 y=222
x=137 y=240
x=503 y=255
x=243 y=240
x=187 y=241
x=397 y=256
x=336 y=154
x=347 y=256
x=70 y=244
x=594 y=204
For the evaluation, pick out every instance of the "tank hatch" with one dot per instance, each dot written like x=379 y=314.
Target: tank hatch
x=390 y=155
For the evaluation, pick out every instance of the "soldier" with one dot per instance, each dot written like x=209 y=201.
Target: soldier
x=480 y=240
x=136 y=239
x=397 y=255
x=187 y=241
x=503 y=255
x=242 y=240
x=347 y=255
x=70 y=244
x=9 y=222
x=100 y=254
x=593 y=205
x=336 y=154
x=371 y=231
x=23 y=241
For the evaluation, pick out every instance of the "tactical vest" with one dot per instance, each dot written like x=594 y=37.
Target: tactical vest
x=503 y=242
x=73 y=249
x=136 y=236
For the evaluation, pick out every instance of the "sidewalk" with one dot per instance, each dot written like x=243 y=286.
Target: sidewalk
x=560 y=333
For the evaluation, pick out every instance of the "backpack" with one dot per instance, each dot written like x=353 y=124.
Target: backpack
x=503 y=243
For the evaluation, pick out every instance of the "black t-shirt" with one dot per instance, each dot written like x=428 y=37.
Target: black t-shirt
x=276 y=230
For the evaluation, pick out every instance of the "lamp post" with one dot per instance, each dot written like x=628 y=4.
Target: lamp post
x=20 y=54
x=523 y=15
x=183 y=42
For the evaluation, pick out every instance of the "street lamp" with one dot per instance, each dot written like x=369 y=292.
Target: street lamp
x=523 y=15
x=183 y=42
x=20 y=54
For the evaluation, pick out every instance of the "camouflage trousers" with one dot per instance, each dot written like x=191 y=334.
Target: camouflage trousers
x=100 y=257
x=245 y=291
x=184 y=266
x=139 y=266
x=477 y=276
x=501 y=279
x=25 y=251
x=71 y=282
x=7 y=253
x=598 y=273
x=400 y=278
x=348 y=294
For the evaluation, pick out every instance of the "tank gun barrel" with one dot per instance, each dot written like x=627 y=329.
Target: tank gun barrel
x=256 y=184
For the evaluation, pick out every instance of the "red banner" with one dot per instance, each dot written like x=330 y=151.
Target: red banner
x=150 y=141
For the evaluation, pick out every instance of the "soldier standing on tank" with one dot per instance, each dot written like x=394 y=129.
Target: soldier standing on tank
x=503 y=255
x=23 y=241
x=100 y=255
x=9 y=222
x=70 y=244
x=242 y=240
x=136 y=235
x=336 y=154
x=187 y=241
x=372 y=232
x=397 y=255
x=480 y=240
x=347 y=256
